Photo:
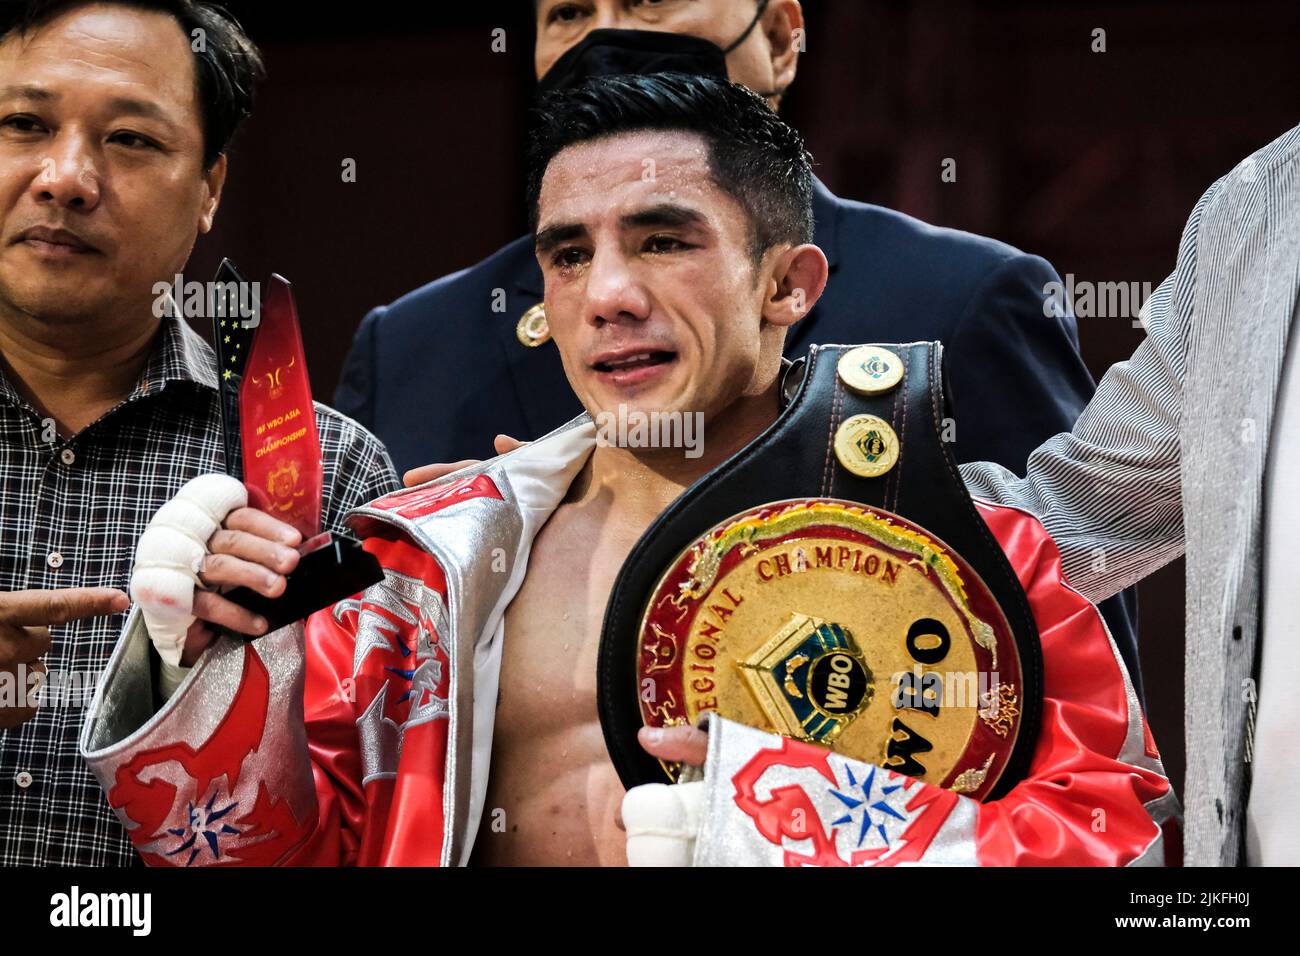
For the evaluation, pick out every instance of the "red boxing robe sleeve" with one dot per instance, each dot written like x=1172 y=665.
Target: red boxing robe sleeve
x=315 y=745
x=376 y=712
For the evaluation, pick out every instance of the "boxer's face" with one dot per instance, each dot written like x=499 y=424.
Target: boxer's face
x=102 y=190
x=561 y=25
x=652 y=295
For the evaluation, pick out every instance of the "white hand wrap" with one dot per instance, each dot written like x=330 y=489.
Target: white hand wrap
x=171 y=554
x=662 y=822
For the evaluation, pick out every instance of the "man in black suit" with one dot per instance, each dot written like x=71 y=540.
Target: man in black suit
x=440 y=371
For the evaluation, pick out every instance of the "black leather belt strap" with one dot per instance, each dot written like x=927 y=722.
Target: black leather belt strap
x=795 y=458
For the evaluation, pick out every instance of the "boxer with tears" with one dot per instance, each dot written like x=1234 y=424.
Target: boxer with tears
x=448 y=715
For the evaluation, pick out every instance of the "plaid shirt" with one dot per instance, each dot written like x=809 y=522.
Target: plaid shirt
x=71 y=513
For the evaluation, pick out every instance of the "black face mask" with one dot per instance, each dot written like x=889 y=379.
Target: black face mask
x=612 y=52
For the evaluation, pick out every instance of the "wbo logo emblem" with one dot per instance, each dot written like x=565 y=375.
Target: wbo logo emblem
x=810 y=680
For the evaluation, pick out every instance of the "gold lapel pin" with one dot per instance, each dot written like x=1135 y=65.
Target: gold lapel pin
x=532 y=329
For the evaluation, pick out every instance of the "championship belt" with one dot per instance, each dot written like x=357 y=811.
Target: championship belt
x=268 y=425
x=832 y=582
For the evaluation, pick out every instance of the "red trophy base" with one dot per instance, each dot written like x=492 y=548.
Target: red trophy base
x=333 y=567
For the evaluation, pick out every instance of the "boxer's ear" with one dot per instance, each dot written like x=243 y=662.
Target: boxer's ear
x=797 y=282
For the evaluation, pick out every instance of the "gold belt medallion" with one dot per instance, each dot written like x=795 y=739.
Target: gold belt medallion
x=839 y=624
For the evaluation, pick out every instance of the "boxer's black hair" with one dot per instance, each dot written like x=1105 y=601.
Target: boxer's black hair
x=754 y=156
x=226 y=62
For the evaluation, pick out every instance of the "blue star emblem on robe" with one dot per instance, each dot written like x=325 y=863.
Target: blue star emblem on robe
x=205 y=822
x=870 y=799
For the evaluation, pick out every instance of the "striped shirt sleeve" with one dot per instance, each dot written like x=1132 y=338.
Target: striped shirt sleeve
x=1109 y=492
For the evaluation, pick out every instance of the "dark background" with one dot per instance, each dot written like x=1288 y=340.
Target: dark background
x=1092 y=160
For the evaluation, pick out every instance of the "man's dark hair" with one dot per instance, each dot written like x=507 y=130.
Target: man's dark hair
x=227 y=63
x=754 y=156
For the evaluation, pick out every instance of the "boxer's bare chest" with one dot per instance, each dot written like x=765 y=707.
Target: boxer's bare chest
x=552 y=791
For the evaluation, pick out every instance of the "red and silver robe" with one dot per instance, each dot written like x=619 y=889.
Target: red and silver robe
x=364 y=737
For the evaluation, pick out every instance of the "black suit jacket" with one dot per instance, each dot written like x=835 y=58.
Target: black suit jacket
x=438 y=373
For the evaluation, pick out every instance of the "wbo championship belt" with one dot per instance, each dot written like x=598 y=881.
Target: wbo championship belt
x=834 y=583
x=268 y=425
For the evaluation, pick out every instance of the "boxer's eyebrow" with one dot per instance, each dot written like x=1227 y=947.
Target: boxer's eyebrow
x=552 y=236
x=664 y=215
x=660 y=216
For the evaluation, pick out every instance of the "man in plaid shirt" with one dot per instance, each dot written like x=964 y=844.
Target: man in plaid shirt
x=114 y=125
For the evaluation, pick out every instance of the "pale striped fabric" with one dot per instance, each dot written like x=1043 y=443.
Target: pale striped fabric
x=1170 y=455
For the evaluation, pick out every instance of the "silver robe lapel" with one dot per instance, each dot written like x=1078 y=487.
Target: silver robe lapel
x=482 y=546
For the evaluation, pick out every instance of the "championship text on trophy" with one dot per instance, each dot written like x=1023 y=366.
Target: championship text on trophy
x=269 y=430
